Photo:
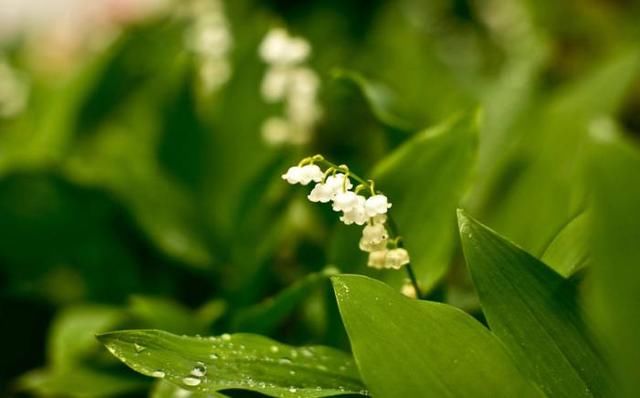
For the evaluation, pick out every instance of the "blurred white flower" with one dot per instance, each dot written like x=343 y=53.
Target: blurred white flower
x=289 y=82
x=280 y=48
x=275 y=130
x=274 y=84
x=209 y=38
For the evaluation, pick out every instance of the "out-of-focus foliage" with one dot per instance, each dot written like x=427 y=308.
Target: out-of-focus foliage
x=137 y=192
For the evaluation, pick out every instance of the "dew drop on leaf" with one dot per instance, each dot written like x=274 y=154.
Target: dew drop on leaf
x=199 y=370
x=158 y=373
x=191 y=381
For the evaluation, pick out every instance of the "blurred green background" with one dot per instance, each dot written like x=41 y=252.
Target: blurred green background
x=134 y=194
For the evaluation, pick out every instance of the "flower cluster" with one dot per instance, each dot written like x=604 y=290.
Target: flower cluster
x=209 y=38
x=289 y=82
x=334 y=185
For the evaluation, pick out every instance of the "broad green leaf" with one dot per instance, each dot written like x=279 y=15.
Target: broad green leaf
x=239 y=361
x=266 y=316
x=533 y=310
x=616 y=266
x=381 y=100
x=425 y=179
x=79 y=382
x=542 y=186
x=569 y=251
x=410 y=348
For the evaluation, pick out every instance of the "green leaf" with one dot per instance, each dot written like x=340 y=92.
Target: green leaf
x=242 y=361
x=616 y=276
x=120 y=159
x=541 y=186
x=382 y=102
x=533 y=311
x=569 y=251
x=425 y=179
x=71 y=338
x=79 y=382
x=410 y=348
x=266 y=316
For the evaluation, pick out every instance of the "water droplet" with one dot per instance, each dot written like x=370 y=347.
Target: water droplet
x=138 y=347
x=343 y=368
x=292 y=372
x=158 y=373
x=199 y=370
x=214 y=356
x=294 y=354
x=307 y=353
x=274 y=349
x=293 y=389
x=284 y=361
x=226 y=337
x=191 y=381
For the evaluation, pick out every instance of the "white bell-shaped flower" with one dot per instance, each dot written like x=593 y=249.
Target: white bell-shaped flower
x=345 y=201
x=375 y=233
x=310 y=172
x=369 y=246
x=377 y=259
x=338 y=183
x=408 y=289
x=377 y=204
x=321 y=193
x=325 y=192
x=293 y=175
x=396 y=258
x=356 y=215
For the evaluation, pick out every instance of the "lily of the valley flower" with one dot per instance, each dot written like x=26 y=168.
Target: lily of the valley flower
x=334 y=185
x=303 y=175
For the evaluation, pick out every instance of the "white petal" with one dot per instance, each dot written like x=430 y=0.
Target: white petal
x=312 y=173
x=396 y=258
x=293 y=175
x=377 y=259
x=377 y=204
